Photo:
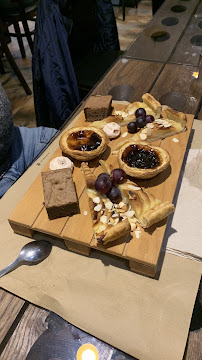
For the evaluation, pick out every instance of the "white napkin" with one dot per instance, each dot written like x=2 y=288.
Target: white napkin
x=185 y=234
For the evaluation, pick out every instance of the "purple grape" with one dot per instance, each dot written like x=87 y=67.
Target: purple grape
x=103 y=185
x=103 y=176
x=118 y=176
x=140 y=112
x=141 y=122
x=114 y=195
x=149 y=119
x=132 y=127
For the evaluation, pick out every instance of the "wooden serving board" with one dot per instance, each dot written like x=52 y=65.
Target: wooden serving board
x=142 y=253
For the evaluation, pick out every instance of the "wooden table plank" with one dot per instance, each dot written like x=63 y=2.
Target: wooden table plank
x=145 y=47
x=136 y=73
x=10 y=306
x=29 y=329
x=177 y=88
x=186 y=52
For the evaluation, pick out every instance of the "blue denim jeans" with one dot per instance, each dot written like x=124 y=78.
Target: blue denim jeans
x=26 y=145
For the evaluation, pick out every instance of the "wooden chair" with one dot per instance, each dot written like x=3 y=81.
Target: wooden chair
x=123 y=4
x=15 y=11
x=5 y=50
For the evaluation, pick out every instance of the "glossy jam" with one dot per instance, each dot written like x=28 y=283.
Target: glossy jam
x=140 y=157
x=85 y=140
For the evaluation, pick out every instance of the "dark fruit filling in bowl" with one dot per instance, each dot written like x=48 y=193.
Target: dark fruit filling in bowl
x=140 y=157
x=85 y=140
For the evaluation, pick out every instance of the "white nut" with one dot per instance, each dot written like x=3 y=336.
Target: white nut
x=132 y=187
x=115 y=215
x=96 y=200
x=125 y=134
x=120 y=112
x=98 y=207
x=150 y=125
x=133 y=226
x=149 y=131
x=102 y=228
x=137 y=233
x=121 y=204
x=108 y=205
x=129 y=213
x=103 y=219
x=144 y=131
x=143 y=136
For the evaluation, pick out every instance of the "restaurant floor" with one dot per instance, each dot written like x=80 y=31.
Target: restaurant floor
x=22 y=104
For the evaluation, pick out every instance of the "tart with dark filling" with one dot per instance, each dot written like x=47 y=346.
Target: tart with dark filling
x=84 y=143
x=141 y=160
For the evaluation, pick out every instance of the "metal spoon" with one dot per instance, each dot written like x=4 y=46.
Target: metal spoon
x=32 y=253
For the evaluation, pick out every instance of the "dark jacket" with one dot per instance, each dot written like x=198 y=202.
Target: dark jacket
x=63 y=26
x=55 y=87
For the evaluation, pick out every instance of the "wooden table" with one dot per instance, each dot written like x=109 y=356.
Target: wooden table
x=180 y=29
x=29 y=332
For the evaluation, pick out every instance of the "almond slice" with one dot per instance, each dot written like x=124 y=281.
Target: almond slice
x=108 y=205
x=132 y=187
x=149 y=131
x=129 y=213
x=133 y=226
x=144 y=131
x=121 y=204
x=150 y=125
x=114 y=215
x=143 y=136
x=137 y=233
x=103 y=219
x=98 y=207
x=102 y=228
x=125 y=134
x=96 y=200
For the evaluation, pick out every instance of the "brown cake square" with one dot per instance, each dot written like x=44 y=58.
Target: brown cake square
x=98 y=107
x=59 y=193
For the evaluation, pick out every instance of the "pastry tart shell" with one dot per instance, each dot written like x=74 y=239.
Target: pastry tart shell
x=139 y=173
x=79 y=154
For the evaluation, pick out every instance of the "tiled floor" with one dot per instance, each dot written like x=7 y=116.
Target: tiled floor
x=22 y=104
x=135 y=21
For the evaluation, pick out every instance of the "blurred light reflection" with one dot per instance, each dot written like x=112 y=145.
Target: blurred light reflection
x=87 y=352
x=195 y=74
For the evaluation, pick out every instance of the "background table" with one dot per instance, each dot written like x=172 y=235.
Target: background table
x=164 y=68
